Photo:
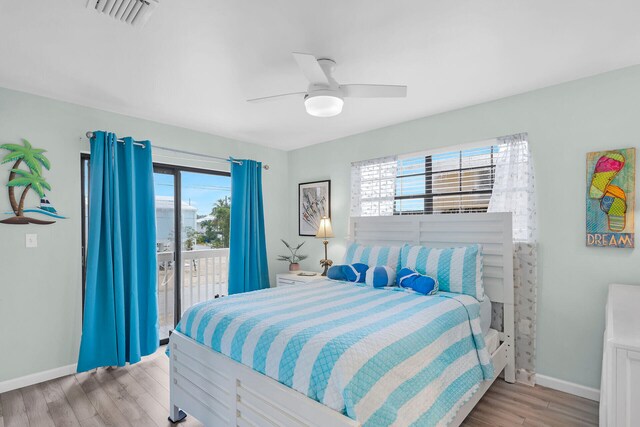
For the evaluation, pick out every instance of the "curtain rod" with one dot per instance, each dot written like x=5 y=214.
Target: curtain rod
x=175 y=150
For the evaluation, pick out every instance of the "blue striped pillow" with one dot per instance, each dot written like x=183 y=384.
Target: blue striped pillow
x=457 y=269
x=374 y=256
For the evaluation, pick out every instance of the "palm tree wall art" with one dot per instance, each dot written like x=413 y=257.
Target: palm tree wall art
x=27 y=179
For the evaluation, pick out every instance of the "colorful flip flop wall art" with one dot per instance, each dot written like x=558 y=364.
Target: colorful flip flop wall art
x=611 y=195
x=26 y=180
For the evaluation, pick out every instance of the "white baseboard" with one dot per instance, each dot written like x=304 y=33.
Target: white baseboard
x=38 y=377
x=568 y=387
x=543 y=380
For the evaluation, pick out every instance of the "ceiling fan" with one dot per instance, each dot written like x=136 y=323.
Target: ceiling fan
x=324 y=96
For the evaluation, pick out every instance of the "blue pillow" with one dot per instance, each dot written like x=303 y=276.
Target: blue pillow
x=355 y=272
x=336 y=272
x=379 y=277
x=408 y=278
x=456 y=269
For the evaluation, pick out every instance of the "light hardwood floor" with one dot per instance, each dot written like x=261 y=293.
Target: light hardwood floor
x=138 y=395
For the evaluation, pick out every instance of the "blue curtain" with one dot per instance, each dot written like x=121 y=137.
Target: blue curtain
x=248 y=270
x=120 y=322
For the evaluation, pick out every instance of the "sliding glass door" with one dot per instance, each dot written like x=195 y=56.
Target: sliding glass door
x=206 y=205
x=192 y=237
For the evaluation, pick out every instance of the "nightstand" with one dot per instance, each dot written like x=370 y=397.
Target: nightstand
x=292 y=278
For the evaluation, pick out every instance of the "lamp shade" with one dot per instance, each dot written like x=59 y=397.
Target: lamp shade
x=324 y=229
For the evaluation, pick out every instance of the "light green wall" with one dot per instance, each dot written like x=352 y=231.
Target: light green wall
x=40 y=289
x=564 y=123
x=40 y=295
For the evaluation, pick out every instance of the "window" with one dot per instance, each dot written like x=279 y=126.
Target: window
x=198 y=224
x=452 y=182
x=373 y=187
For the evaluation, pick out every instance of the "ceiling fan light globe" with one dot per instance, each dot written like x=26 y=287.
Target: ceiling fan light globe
x=323 y=105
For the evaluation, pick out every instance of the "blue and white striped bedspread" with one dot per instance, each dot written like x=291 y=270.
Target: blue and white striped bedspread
x=380 y=356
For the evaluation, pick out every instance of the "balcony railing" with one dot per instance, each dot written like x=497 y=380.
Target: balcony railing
x=204 y=275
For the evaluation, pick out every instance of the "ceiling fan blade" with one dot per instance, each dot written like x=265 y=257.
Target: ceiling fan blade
x=374 y=91
x=311 y=68
x=276 y=97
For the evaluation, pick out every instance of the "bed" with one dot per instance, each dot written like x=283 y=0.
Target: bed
x=232 y=363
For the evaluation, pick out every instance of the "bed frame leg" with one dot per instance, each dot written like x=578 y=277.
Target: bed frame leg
x=510 y=374
x=509 y=335
x=177 y=415
x=510 y=368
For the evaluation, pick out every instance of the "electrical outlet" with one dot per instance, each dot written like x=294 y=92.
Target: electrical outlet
x=32 y=240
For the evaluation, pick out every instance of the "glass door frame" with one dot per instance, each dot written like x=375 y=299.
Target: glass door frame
x=162 y=168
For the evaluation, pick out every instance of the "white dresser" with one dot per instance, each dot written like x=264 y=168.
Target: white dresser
x=620 y=388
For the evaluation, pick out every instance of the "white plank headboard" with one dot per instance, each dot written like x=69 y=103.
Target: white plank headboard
x=491 y=230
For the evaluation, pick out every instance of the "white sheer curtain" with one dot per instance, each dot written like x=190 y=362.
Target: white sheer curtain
x=514 y=186
x=373 y=184
x=514 y=191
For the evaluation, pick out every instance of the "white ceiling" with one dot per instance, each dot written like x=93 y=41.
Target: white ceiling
x=196 y=61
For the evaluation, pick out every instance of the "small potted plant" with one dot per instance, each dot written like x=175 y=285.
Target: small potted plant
x=294 y=258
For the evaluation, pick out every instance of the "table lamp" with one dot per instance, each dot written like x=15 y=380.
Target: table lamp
x=325 y=232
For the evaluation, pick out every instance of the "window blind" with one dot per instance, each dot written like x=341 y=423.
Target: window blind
x=452 y=182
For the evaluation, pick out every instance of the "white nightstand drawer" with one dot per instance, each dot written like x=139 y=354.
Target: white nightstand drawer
x=289 y=279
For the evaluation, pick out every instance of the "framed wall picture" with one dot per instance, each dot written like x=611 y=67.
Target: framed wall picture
x=611 y=191
x=314 y=202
